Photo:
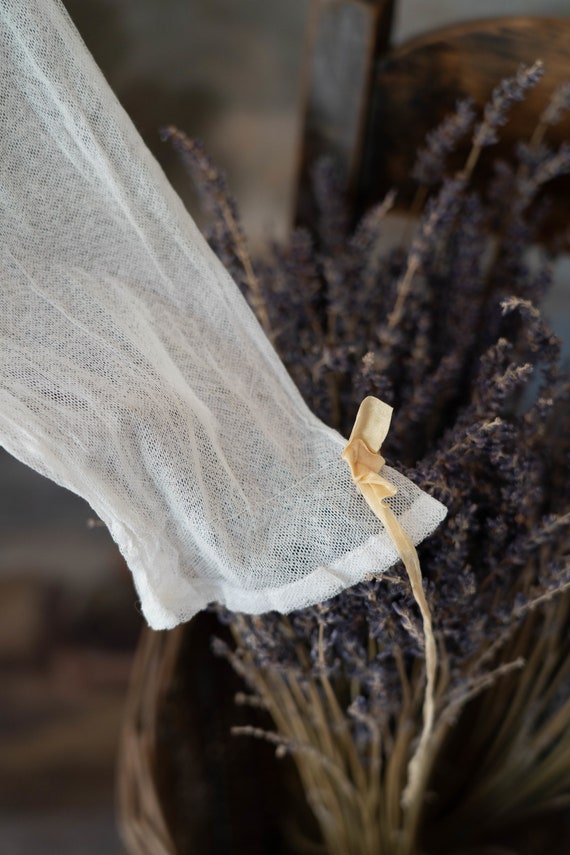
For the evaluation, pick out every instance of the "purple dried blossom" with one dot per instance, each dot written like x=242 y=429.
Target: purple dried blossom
x=439 y=216
x=507 y=93
x=470 y=428
x=559 y=103
x=552 y=165
x=429 y=166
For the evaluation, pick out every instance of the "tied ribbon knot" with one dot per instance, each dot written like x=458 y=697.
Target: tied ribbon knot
x=362 y=453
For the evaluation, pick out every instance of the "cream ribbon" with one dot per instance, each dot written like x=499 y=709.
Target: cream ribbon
x=362 y=453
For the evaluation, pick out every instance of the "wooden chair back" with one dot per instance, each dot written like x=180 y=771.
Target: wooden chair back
x=370 y=106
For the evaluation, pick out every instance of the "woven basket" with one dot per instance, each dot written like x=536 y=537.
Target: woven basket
x=143 y=825
x=185 y=783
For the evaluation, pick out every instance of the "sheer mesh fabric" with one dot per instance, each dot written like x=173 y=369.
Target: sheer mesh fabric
x=133 y=372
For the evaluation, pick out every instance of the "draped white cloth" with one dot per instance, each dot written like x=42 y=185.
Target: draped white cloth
x=133 y=372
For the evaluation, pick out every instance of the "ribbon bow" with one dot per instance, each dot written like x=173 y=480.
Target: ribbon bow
x=362 y=453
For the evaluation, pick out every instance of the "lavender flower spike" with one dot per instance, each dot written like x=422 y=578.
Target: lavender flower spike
x=507 y=93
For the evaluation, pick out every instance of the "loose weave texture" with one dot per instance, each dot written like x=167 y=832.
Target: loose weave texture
x=134 y=373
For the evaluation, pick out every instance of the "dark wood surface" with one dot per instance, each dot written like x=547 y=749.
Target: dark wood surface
x=370 y=107
x=415 y=86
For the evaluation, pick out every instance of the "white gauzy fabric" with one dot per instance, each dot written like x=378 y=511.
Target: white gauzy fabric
x=133 y=372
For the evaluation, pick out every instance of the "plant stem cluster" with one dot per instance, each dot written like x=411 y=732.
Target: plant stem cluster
x=446 y=329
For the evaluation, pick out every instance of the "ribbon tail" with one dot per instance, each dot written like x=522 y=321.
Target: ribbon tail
x=409 y=556
x=362 y=453
x=408 y=553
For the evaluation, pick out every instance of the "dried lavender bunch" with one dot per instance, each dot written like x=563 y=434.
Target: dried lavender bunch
x=496 y=112
x=448 y=331
x=430 y=164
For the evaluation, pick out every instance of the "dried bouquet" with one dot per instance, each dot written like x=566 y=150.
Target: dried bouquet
x=421 y=714
x=446 y=327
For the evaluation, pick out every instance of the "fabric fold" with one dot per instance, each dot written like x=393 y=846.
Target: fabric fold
x=133 y=371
